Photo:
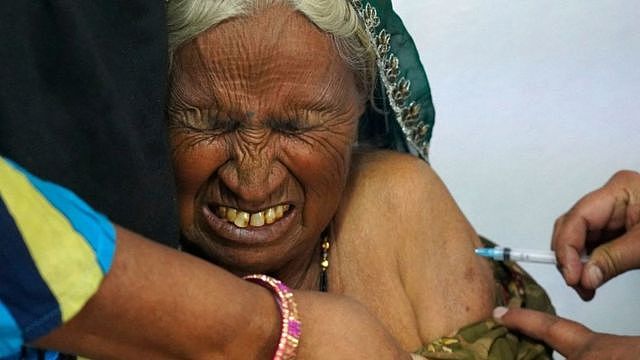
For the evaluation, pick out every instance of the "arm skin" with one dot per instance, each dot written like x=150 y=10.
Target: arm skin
x=158 y=303
x=448 y=285
x=608 y=221
x=405 y=250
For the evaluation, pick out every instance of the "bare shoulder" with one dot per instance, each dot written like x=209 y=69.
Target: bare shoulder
x=400 y=182
x=415 y=228
x=387 y=165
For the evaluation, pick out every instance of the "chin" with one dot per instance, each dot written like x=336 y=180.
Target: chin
x=238 y=260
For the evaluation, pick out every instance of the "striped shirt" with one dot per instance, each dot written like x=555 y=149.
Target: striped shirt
x=55 y=251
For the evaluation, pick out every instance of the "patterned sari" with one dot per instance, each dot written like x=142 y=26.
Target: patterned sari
x=489 y=340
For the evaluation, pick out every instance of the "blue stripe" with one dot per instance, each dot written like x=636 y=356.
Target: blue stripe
x=23 y=292
x=34 y=354
x=10 y=334
x=51 y=355
x=94 y=227
x=11 y=357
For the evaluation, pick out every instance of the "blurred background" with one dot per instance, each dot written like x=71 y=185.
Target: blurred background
x=537 y=103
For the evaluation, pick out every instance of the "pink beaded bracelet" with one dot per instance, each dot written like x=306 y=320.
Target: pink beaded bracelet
x=291 y=324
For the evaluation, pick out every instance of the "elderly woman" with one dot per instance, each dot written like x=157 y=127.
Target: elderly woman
x=270 y=103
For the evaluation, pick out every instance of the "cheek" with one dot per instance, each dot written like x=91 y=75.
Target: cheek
x=320 y=162
x=319 y=169
x=194 y=163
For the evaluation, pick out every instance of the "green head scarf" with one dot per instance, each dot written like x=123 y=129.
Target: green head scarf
x=405 y=115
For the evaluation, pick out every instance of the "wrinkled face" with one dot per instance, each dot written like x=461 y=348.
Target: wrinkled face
x=263 y=113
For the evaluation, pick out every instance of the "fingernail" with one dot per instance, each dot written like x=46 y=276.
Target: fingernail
x=594 y=275
x=499 y=312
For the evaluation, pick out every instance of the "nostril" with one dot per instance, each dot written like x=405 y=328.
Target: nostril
x=252 y=183
x=228 y=176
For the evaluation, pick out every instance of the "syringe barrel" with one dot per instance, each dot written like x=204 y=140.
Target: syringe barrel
x=546 y=257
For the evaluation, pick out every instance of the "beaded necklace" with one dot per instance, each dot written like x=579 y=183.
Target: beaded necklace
x=324 y=264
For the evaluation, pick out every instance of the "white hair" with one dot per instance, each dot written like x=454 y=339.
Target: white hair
x=187 y=19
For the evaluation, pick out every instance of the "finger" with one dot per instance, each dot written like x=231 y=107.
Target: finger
x=626 y=186
x=598 y=210
x=567 y=255
x=554 y=235
x=611 y=259
x=565 y=336
x=571 y=275
x=633 y=214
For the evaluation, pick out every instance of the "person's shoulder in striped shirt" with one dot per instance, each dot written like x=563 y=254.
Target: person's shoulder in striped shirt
x=55 y=251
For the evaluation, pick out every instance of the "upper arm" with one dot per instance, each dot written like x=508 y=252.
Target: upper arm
x=447 y=285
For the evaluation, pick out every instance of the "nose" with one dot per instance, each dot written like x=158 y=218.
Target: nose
x=253 y=174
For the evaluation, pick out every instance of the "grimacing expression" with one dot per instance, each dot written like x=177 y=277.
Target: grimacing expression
x=263 y=113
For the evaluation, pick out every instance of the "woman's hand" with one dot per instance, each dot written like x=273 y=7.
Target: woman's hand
x=606 y=221
x=569 y=338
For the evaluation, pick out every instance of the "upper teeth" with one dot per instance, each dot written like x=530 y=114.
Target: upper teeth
x=243 y=219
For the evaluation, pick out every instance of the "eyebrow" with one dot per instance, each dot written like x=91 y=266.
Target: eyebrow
x=320 y=97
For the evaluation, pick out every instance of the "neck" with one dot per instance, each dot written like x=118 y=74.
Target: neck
x=303 y=272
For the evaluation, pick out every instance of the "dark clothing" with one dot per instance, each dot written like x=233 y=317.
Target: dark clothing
x=82 y=98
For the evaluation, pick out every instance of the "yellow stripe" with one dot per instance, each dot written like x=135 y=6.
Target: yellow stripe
x=64 y=259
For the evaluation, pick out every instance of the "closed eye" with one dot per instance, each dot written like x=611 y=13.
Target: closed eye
x=289 y=126
x=219 y=125
x=205 y=121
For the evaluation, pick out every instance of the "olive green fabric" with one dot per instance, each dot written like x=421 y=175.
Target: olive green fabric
x=489 y=340
x=381 y=127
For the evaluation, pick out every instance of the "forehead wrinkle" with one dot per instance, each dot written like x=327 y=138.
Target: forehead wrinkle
x=339 y=89
x=269 y=60
x=236 y=57
x=206 y=73
x=187 y=84
x=222 y=60
x=324 y=80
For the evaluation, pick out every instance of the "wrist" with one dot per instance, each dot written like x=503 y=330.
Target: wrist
x=257 y=329
x=290 y=324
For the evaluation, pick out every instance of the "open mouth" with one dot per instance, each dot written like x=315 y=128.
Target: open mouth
x=243 y=219
x=239 y=226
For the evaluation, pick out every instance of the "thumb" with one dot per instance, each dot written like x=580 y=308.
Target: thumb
x=611 y=259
